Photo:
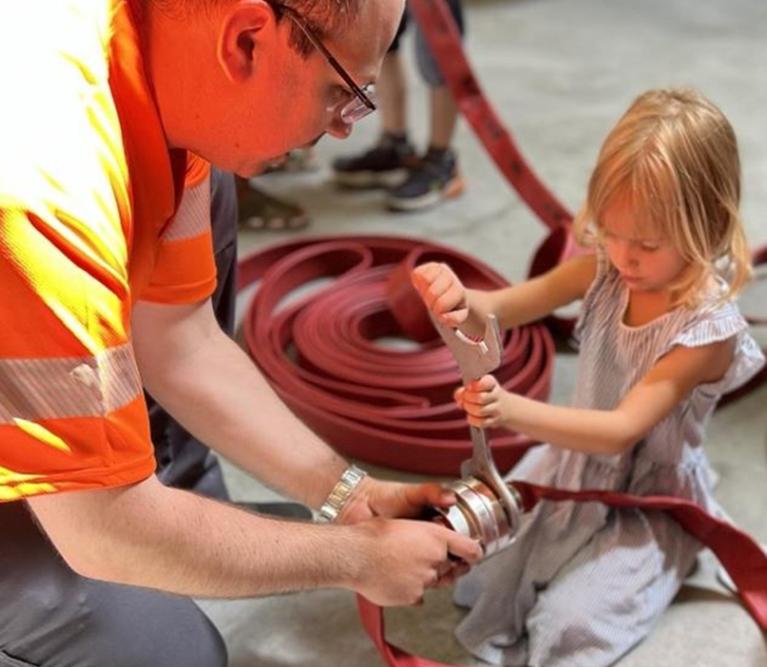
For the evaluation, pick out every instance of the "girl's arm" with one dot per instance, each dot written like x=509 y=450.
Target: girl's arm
x=532 y=299
x=600 y=431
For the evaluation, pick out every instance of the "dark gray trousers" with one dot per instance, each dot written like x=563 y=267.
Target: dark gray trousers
x=52 y=617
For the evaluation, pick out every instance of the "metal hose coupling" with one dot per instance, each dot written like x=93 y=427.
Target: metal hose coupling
x=486 y=509
x=482 y=514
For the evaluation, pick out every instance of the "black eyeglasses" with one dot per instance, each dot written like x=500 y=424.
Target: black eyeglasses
x=363 y=102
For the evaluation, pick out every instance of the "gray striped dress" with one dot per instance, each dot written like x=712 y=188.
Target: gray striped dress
x=583 y=584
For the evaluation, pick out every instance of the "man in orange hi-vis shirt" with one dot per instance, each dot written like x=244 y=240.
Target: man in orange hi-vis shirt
x=110 y=112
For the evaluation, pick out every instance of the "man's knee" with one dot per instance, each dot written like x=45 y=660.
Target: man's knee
x=95 y=624
x=135 y=628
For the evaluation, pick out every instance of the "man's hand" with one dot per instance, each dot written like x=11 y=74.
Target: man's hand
x=375 y=497
x=404 y=558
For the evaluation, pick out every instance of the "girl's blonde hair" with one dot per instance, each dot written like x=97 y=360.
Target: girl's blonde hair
x=675 y=156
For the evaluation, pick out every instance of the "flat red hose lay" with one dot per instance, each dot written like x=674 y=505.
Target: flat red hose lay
x=387 y=406
x=741 y=556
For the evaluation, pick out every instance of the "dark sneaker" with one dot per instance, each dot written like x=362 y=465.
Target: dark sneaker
x=382 y=166
x=432 y=180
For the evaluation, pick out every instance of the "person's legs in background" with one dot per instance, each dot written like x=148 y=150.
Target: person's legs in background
x=385 y=164
x=435 y=177
x=412 y=183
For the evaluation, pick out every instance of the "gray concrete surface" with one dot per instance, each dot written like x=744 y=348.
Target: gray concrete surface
x=559 y=73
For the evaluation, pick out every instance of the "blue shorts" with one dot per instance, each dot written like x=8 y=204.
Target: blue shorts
x=427 y=65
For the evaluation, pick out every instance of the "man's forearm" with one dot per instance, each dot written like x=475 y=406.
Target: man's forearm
x=221 y=397
x=153 y=536
x=181 y=543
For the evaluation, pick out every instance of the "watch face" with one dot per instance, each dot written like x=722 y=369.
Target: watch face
x=341 y=493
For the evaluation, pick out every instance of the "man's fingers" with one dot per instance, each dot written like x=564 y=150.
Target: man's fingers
x=428 y=494
x=449 y=577
x=464 y=547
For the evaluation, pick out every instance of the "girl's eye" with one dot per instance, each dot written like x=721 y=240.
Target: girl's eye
x=650 y=247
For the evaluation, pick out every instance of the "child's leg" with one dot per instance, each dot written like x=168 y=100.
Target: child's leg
x=444 y=112
x=444 y=115
x=607 y=598
x=392 y=95
x=501 y=592
x=384 y=164
x=436 y=177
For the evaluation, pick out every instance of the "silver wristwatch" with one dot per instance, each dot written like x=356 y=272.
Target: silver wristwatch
x=340 y=494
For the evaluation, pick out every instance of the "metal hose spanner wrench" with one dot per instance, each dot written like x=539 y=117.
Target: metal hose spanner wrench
x=486 y=508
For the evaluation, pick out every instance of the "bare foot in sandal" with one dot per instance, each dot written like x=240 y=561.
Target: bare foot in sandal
x=261 y=211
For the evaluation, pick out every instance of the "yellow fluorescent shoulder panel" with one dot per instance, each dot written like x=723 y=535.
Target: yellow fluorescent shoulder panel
x=42 y=434
x=87 y=308
x=15 y=485
x=76 y=190
x=24 y=490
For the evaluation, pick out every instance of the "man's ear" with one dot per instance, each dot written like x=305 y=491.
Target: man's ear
x=241 y=26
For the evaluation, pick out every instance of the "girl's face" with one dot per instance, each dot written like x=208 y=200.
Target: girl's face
x=646 y=260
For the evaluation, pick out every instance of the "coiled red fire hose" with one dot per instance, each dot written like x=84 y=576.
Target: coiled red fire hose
x=385 y=406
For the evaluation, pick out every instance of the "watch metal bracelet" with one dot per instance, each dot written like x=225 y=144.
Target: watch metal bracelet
x=340 y=494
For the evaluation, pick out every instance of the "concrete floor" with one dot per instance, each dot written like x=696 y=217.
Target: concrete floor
x=559 y=72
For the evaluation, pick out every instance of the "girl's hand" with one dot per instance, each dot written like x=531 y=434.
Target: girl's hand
x=485 y=402
x=442 y=292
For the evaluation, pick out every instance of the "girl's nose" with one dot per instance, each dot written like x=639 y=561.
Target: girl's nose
x=626 y=255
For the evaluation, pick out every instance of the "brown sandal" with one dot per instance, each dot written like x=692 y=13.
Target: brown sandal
x=261 y=211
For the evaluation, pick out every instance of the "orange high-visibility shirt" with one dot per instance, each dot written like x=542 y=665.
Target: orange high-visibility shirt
x=94 y=215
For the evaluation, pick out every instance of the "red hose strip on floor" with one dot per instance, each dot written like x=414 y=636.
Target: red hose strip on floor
x=444 y=40
x=385 y=406
x=741 y=556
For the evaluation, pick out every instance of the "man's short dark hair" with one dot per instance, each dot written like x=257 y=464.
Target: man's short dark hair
x=324 y=17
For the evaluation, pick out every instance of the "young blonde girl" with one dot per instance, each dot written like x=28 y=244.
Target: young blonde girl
x=660 y=341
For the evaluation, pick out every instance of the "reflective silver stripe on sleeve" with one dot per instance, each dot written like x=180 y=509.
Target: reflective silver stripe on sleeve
x=35 y=389
x=193 y=215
